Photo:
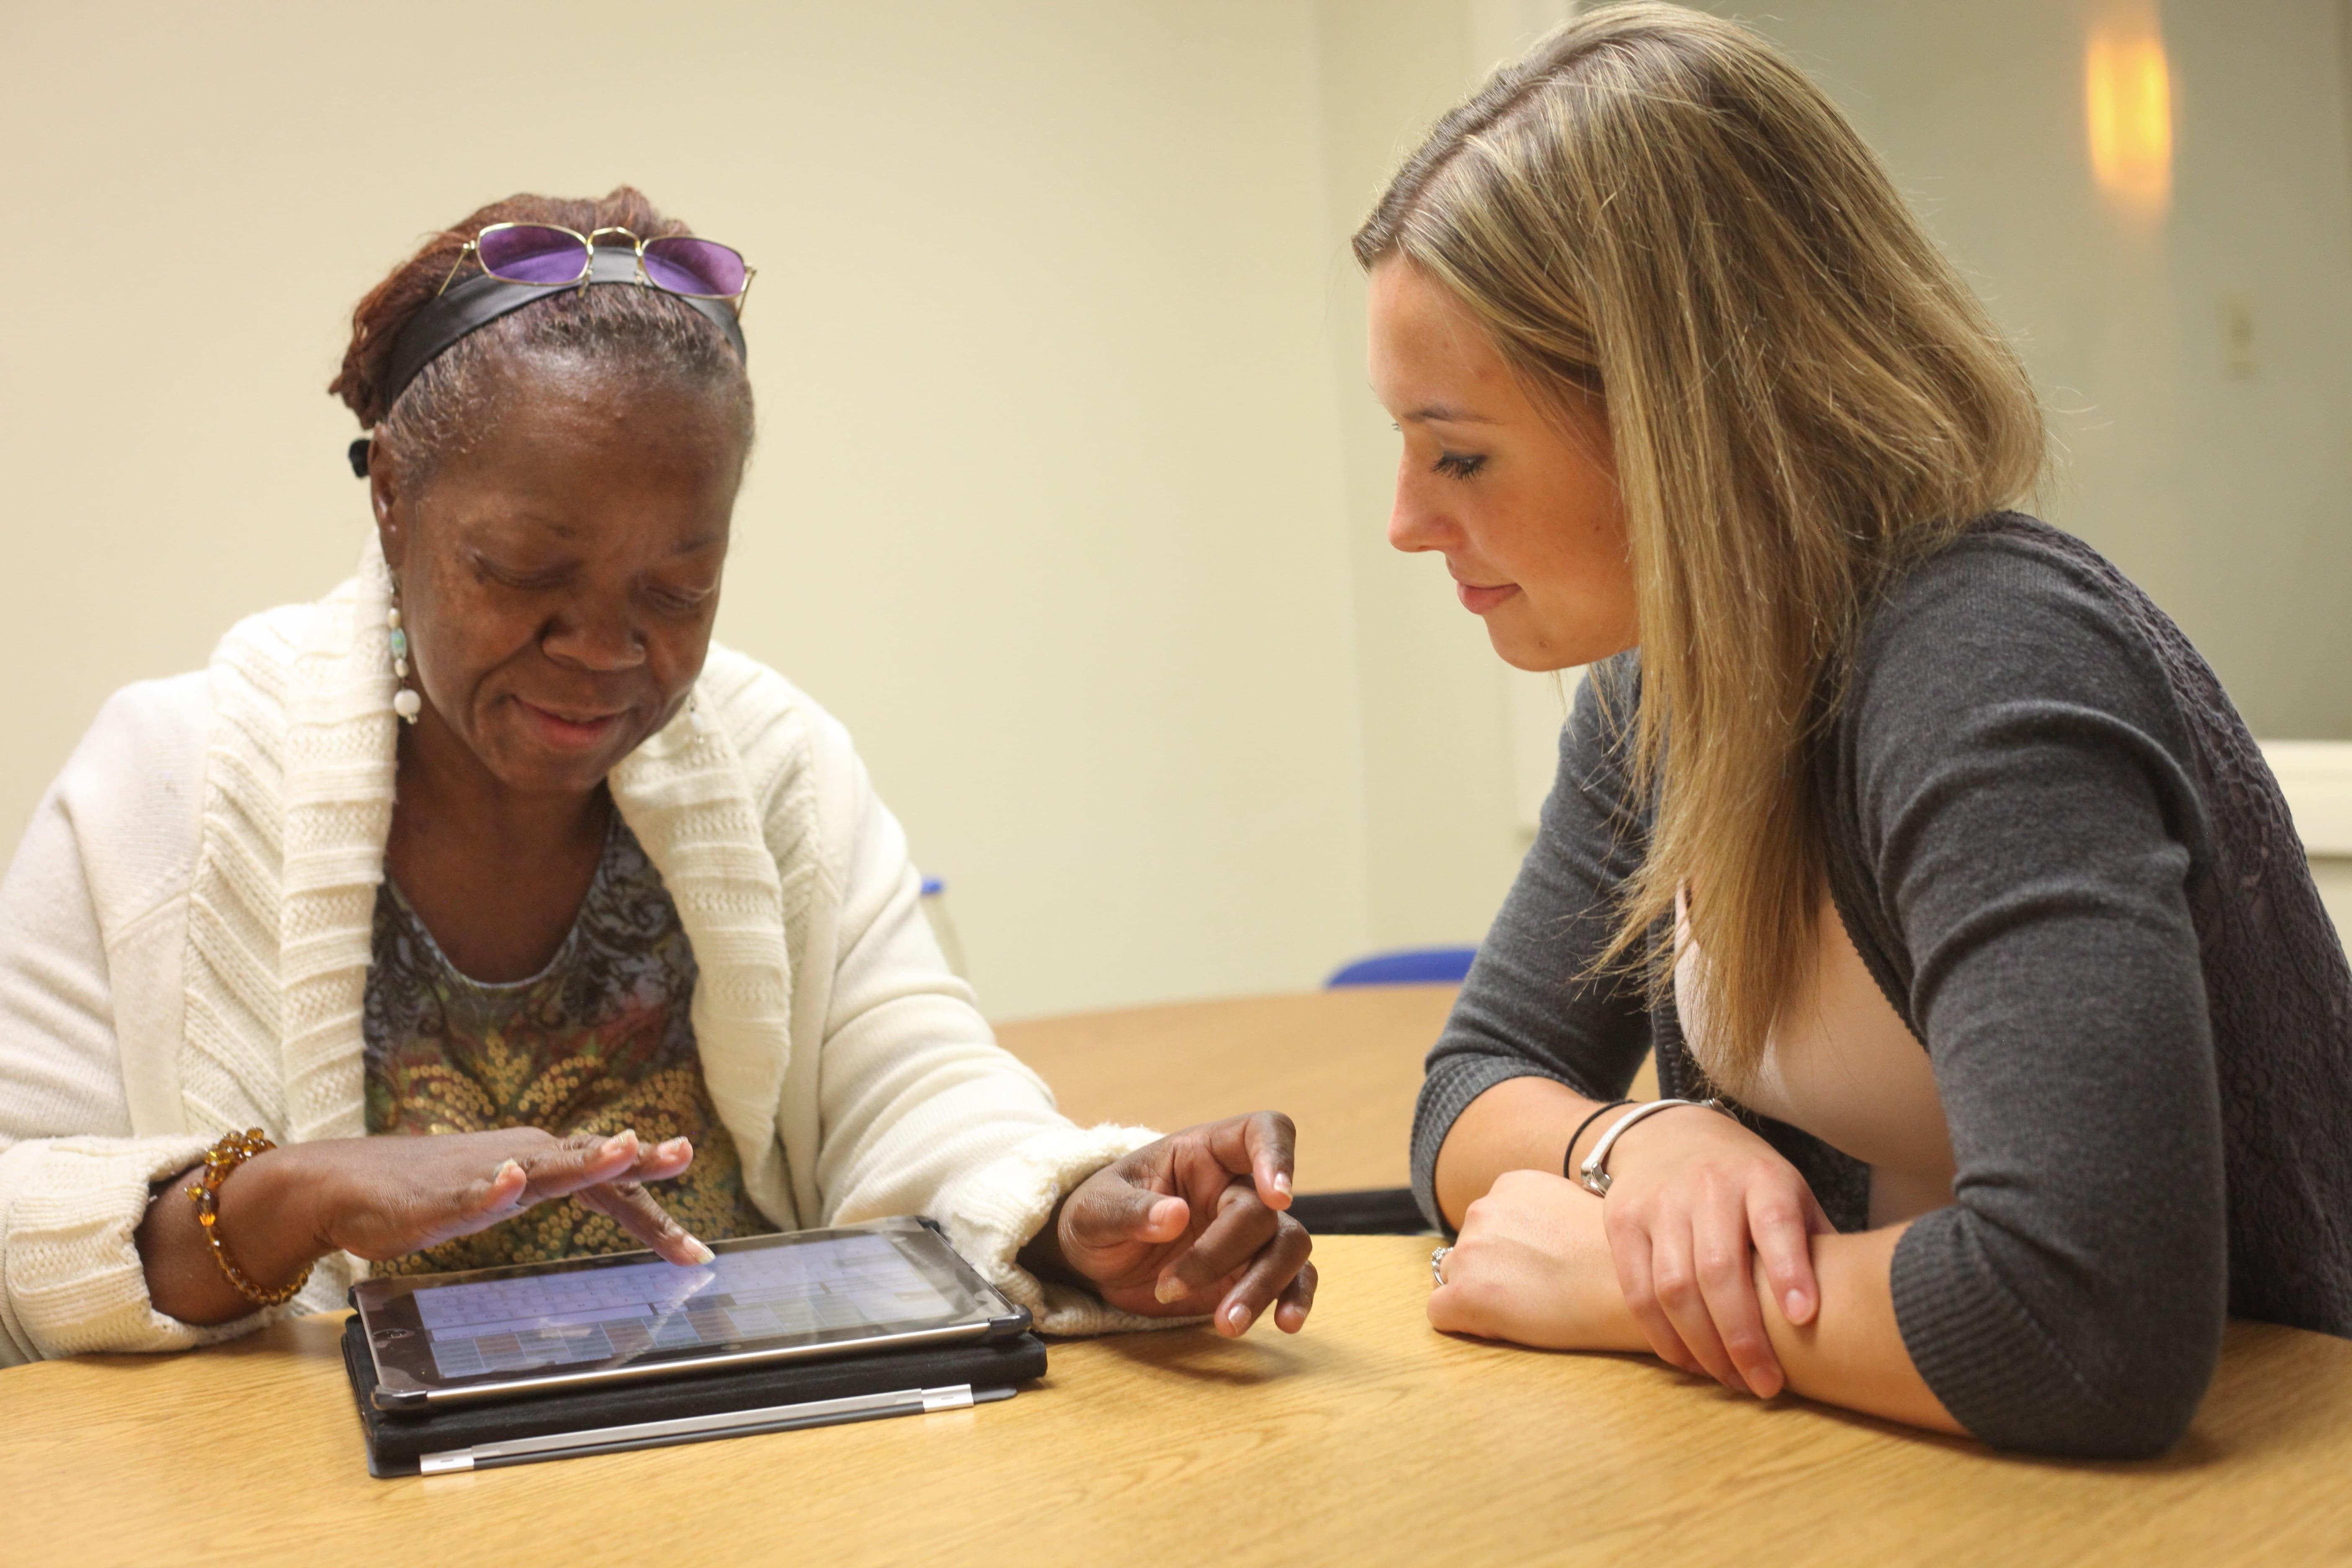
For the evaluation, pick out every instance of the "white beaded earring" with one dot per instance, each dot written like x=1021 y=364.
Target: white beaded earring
x=404 y=701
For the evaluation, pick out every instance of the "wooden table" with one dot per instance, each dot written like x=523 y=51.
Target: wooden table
x=1345 y=1064
x=1367 y=1439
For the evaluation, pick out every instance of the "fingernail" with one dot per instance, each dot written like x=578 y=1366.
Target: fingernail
x=1795 y=1306
x=672 y=1149
x=1238 y=1316
x=699 y=1253
x=500 y=1173
x=619 y=1143
x=1169 y=1289
x=1282 y=1181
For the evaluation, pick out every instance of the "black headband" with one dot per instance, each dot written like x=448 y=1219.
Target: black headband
x=473 y=304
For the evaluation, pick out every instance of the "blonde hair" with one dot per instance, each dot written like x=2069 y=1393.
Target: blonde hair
x=1804 y=398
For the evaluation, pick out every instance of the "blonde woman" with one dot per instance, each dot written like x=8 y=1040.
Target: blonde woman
x=1966 y=925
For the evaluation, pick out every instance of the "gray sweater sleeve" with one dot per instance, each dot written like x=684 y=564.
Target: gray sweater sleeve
x=2025 y=811
x=1523 y=1012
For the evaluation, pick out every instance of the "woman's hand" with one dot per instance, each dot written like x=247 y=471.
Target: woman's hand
x=1190 y=1225
x=383 y=1197
x=386 y=1197
x=1695 y=1200
x=1531 y=1265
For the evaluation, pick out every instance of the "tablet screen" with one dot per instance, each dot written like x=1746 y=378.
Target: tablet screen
x=514 y=1325
x=804 y=1292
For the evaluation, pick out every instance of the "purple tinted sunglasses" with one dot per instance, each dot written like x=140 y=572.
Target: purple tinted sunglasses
x=556 y=257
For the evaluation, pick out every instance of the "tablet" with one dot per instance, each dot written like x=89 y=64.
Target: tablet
x=492 y=1334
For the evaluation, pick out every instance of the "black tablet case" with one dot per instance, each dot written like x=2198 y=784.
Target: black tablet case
x=394 y=1443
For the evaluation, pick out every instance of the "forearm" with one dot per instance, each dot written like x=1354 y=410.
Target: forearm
x=1852 y=1352
x=1520 y=1124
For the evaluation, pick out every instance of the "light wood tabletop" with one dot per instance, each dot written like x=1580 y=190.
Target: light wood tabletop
x=1345 y=1064
x=1367 y=1439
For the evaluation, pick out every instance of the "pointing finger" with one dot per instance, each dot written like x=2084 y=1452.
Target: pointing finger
x=634 y=1210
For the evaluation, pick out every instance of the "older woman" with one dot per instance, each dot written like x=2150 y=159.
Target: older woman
x=521 y=921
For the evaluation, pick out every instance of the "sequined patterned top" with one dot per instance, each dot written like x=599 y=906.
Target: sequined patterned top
x=599 y=1040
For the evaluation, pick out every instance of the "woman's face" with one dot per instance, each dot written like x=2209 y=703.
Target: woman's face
x=1522 y=502
x=558 y=576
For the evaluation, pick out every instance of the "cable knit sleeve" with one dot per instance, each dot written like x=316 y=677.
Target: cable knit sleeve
x=74 y=1178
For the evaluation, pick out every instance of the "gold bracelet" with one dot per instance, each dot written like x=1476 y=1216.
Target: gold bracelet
x=233 y=1149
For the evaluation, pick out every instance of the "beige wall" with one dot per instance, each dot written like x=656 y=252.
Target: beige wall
x=1070 y=493
x=1458 y=746
x=1047 y=506
x=2220 y=477
x=1439 y=839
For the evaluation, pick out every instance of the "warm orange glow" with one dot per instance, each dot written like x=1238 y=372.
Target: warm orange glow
x=2128 y=90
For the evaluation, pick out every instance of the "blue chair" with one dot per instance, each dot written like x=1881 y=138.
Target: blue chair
x=1407 y=967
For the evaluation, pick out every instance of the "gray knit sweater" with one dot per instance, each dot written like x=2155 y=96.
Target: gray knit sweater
x=2060 y=853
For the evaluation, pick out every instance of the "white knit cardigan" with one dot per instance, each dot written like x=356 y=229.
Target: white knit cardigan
x=185 y=941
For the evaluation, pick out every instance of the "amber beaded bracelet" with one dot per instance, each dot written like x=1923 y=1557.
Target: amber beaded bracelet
x=233 y=1149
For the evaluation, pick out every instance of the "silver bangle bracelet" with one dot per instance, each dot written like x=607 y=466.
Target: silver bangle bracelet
x=1593 y=1174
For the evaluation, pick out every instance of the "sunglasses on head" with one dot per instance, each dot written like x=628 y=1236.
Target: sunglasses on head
x=553 y=256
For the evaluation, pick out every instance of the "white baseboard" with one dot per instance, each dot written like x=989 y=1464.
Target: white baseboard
x=2316 y=776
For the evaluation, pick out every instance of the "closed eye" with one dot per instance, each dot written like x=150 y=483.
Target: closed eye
x=524 y=582
x=682 y=602
x=1458 y=465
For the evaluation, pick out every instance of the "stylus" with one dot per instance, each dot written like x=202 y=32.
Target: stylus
x=695 y=1428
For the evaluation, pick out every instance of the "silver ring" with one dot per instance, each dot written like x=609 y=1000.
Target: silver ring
x=1437 y=1264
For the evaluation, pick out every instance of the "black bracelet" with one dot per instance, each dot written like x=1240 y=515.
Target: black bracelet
x=1568 y=1161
